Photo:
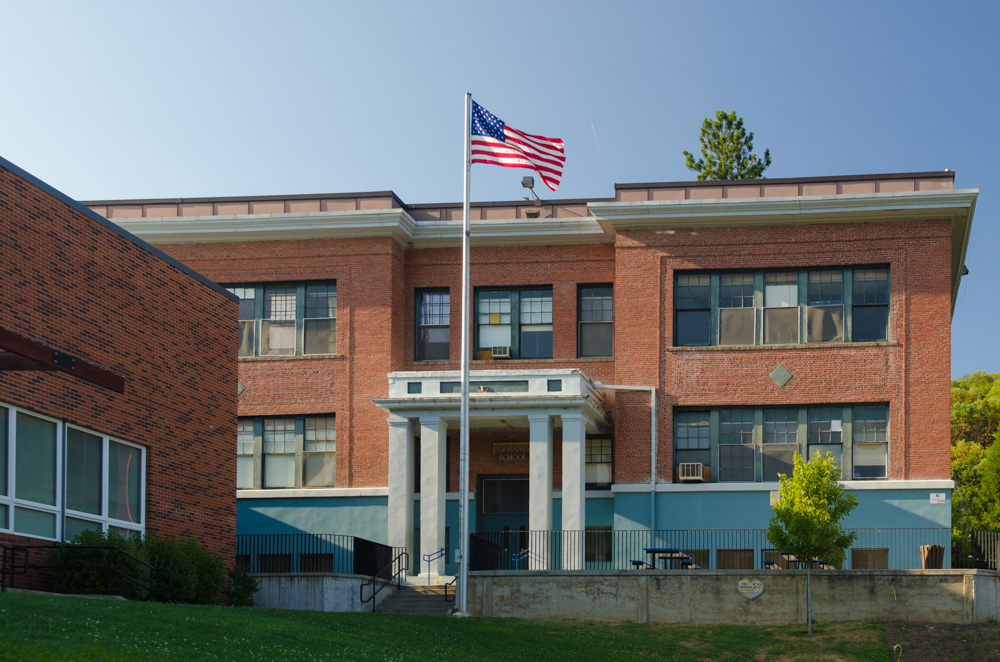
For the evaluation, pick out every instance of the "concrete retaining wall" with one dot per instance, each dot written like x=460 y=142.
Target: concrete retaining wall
x=315 y=592
x=713 y=596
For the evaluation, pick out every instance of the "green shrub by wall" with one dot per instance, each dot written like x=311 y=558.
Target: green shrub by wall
x=197 y=576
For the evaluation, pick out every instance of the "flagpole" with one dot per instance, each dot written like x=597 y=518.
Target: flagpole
x=463 y=502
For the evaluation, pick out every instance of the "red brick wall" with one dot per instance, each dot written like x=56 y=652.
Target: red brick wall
x=377 y=281
x=369 y=280
x=70 y=283
x=911 y=371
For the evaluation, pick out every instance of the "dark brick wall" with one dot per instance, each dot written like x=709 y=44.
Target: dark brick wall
x=72 y=284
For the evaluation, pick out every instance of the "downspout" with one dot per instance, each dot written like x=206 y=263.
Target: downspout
x=652 y=434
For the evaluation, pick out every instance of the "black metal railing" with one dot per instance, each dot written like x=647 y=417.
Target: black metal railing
x=392 y=574
x=9 y=566
x=450 y=598
x=115 y=570
x=705 y=548
x=980 y=550
x=266 y=553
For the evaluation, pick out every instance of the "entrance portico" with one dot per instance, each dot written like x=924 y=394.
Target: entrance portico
x=539 y=401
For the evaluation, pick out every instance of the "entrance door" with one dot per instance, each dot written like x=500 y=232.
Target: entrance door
x=503 y=508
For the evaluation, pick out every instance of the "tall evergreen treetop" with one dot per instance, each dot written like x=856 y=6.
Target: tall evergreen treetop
x=727 y=150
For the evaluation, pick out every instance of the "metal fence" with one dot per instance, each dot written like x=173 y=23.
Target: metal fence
x=979 y=550
x=605 y=549
x=707 y=548
x=311 y=553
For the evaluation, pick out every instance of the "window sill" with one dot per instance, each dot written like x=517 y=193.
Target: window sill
x=425 y=365
x=800 y=346
x=291 y=357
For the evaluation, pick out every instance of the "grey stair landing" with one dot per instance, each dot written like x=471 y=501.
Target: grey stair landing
x=413 y=600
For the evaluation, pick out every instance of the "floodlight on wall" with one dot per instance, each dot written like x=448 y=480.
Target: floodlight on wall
x=529 y=183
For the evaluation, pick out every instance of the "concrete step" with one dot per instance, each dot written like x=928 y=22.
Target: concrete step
x=417 y=601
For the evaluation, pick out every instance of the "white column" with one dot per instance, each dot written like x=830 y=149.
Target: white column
x=433 y=447
x=574 y=455
x=401 y=484
x=540 y=488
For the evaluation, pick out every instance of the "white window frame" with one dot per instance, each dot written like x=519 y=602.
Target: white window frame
x=59 y=510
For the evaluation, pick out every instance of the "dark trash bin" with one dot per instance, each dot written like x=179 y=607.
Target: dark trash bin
x=932 y=557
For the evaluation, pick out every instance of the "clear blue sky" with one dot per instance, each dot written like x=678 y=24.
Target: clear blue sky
x=184 y=99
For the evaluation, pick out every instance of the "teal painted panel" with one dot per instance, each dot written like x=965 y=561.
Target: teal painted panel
x=893 y=508
x=365 y=517
x=631 y=511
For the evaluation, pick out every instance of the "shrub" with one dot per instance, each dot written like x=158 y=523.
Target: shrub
x=240 y=588
x=79 y=569
x=197 y=576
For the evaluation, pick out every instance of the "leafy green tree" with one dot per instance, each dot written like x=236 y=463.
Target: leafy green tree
x=975 y=408
x=967 y=463
x=986 y=499
x=807 y=518
x=726 y=150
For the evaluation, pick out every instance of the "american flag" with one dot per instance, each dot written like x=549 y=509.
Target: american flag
x=496 y=143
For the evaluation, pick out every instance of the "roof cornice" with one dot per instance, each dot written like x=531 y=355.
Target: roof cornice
x=958 y=206
x=395 y=223
x=792 y=209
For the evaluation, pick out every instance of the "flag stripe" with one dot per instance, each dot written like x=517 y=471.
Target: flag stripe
x=495 y=143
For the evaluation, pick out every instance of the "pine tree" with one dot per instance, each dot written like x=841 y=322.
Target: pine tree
x=727 y=150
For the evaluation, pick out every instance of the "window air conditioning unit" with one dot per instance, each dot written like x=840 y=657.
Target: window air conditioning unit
x=691 y=472
x=501 y=352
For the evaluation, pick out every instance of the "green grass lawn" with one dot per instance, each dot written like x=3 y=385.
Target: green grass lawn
x=39 y=627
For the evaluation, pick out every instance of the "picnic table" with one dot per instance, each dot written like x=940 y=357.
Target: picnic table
x=670 y=555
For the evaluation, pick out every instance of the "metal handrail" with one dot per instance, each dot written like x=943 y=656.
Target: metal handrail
x=451 y=583
x=432 y=557
x=396 y=578
x=517 y=558
x=109 y=566
x=11 y=567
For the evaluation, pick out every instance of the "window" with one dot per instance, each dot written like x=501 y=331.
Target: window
x=597 y=546
x=244 y=453
x=57 y=480
x=287 y=320
x=869 y=559
x=319 y=451
x=734 y=559
x=737 y=314
x=825 y=311
x=849 y=304
x=596 y=312
x=277 y=329
x=319 y=328
x=780 y=442
x=295 y=452
x=516 y=321
x=736 y=452
x=781 y=308
x=693 y=306
x=691 y=435
x=248 y=317
x=871 y=304
x=433 y=325
x=738 y=440
x=279 y=452
x=825 y=428
x=315 y=562
x=870 y=441
x=598 y=465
